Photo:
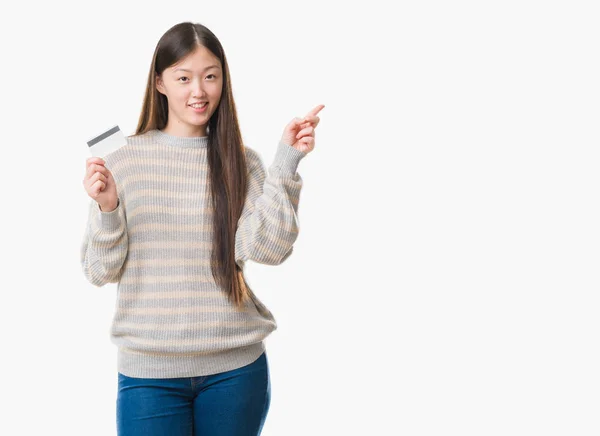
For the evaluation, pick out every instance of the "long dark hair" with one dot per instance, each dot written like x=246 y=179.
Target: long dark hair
x=226 y=155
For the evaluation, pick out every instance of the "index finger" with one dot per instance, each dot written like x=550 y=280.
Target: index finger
x=313 y=119
x=316 y=110
x=94 y=159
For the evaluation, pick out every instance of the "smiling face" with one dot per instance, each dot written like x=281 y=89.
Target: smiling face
x=197 y=78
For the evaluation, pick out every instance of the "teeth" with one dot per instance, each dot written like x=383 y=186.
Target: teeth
x=197 y=106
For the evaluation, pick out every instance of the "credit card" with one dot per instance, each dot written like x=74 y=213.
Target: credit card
x=107 y=142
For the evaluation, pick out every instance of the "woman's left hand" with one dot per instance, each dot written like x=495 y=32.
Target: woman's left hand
x=300 y=132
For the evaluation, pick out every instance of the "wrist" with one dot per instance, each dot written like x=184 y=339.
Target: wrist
x=108 y=207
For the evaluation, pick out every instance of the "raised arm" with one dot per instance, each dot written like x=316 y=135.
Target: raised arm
x=268 y=226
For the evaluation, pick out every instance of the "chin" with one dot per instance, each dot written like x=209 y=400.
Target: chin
x=197 y=124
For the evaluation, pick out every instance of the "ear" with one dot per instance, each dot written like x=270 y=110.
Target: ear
x=159 y=85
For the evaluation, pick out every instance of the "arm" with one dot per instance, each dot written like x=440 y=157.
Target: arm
x=268 y=226
x=104 y=246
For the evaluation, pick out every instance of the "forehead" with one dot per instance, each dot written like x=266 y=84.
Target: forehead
x=200 y=60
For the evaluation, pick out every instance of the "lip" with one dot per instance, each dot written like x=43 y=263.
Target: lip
x=200 y=110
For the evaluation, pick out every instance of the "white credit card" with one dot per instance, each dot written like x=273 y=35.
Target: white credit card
x=107 y=142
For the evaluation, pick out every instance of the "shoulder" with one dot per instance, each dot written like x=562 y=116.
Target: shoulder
x=137 y=139
x=134 y=144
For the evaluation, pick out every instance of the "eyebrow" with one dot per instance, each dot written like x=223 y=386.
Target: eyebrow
x=189 y=71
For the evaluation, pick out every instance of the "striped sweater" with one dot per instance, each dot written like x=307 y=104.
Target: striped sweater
x=171 y=318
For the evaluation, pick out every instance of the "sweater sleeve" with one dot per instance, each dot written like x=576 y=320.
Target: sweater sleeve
x=268 y=225
x=105 y=244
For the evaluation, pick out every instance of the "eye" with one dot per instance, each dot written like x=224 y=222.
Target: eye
x=212 y=75
x=182 y=78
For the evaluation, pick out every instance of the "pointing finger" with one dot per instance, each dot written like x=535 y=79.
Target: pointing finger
x=312 y=119
x=316 y=110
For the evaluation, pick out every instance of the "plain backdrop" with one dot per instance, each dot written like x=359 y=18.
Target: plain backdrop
x=445 y=278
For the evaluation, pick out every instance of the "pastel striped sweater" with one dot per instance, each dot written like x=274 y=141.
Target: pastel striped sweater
x=171 y=318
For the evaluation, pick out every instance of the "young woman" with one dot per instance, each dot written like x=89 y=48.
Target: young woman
x=175 y=215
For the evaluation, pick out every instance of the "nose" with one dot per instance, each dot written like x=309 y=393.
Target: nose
x=197 y=89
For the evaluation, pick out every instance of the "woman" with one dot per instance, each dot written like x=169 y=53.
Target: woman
x=175 y=215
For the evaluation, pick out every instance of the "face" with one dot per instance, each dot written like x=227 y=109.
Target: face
x=196 y=78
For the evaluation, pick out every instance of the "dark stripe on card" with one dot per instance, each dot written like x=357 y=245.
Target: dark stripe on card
x=103 y=136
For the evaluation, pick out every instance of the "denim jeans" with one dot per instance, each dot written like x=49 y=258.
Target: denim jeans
x=231 y=403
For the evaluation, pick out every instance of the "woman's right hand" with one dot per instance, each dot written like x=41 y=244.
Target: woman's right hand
x=100 y=184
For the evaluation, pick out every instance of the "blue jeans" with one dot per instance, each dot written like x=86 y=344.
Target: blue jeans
x=231 y=403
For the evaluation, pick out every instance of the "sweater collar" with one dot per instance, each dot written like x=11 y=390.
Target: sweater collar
x=180 y=141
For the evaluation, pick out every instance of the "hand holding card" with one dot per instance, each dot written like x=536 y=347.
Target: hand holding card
x=100 y=184
x=98 y=181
